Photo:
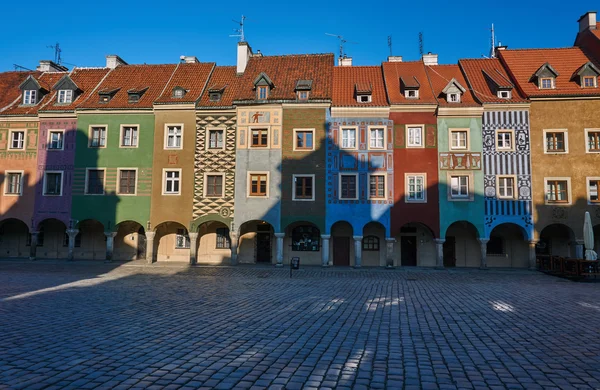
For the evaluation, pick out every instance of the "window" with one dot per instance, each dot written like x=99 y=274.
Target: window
x=593 y=186
x=370 y=243
x=127 y=181
x=495 y=246
x=129 y=136
x=263 y=92
x=302 y=95
x=171 y=184
x=304 y=187
x=178 y=93
x=14 y=183
x=182 y=240
x=459 y=187
x=214 y=186
x=546 y=83
x=258 y=184
x=348 y=184
x=557 y=191
x=133 y=98
x=98 y=137
x=304 y=140
x=506 y=187
x=377 y=186
x=260 y=138
x=454 y=98
x=415 y=137
x=214 y=96
x=306 y=239
x=215 y=139
x=55 y=140
x=411 y=94
x=459 y=139
x=53 y=184
x=589 y=82
x=95 y=182
x=376 y=138
x=65 y=96
x=363 y=98
x=415 y=188
x=30 y=96
x=593 y=141
x=174 y=135
x=555 y=141
x=17 y=140
x=504 y=94
x=348 y=138
x=223 y=238
x=504 y=140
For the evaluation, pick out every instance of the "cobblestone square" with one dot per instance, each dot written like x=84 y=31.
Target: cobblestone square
x=88 y=325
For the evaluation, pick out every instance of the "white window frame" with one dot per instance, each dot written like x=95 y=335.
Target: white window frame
x=65 y=96
x=261 y=88
x=122 y=134
x=119 y=181
x=62 y=183
x=208 y=130
x=408 y=91
x=467 y=139
x=249 y=184
x=541 y=82
x=449 y=99
x=595 y=82
x=546 y=151
x=49 y=140
x=87 y=176
x=587 y=187
x=299 y=95
x=410 y=144
x=356 y=136
x=407 y=177
x=569 y=194
x=587 y=145
x=166 y=139
x=312 y=199
x=164 y=181
x=340 y=185
x=513 y=178
x=186 y=239
x=10 y=139
x=204 y=190
x=385 y=186
x=470 y=196
x=512 y=140
x=30 y=97
x=508 y=94
x=90 y=137
x=359 y=98
x=295 y=146
x=383 y=139
x=22 y=173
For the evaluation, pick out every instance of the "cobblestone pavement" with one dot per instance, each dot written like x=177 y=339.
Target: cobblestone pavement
x=85 y=325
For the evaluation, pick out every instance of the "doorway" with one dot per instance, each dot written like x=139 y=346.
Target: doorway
x=341 y=251
x=408 y=248
x=450 y=251
x=263 y=247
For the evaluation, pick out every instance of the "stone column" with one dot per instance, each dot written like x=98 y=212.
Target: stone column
x=150 y=247
x=279 y=237
x=33 y=246
x=579 y=249
x=357 y=251
x=72 y=233
x=325 y=249
x=483 y=243
x=110 y=244
x=233 y=239
x=389 y=252
x=439 y=248
x=193 y=250
x=532 y=256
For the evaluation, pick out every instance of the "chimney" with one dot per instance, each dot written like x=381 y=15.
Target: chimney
x=257 y=54
x=189 y=59
x=345 y=61
x=430 y=59
x=244 y=52
x=499 y=49
x=50 y=66
x=587 y=21
x=395 y=59
x=113 y=60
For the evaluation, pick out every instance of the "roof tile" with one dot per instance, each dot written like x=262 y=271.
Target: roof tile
x=350 y=80
x=482 y=74
x=190 y=76
x=412 y=70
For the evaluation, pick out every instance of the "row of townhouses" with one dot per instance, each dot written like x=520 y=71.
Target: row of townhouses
x=484 y=163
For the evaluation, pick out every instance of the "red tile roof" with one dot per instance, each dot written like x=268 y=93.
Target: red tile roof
x=190 y=76
x=440 y=76
x=589 y=41
x=523 y=63
x=9 y=87
x=348 y=80
x=127 y=77
x=86 y=79
x=284 y=72
x=483 y=75
x=46 y=81
x=222 y=77
x=409 y=71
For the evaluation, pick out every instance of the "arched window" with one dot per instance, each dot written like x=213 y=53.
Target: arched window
x=370 y=243
x=306 y=238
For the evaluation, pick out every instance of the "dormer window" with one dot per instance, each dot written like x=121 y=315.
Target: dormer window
x=216 y=92
x=453 y=98
x=214 y=96
x=263 y=86
x=546 y=76
x=504 y=94
x=107 y=94
x=135 y=94
x=133 y=98
x=363 y=98
x=262 y=92
x=178 y=92
x=411 y=94
x=302 y=95
x=546 y=83
x=65 y=96
x=303 y=88
x=363 y=92
x=30 y=96
x=453 y=91
x=589 y=82
x=104 y=98
x=409 y=86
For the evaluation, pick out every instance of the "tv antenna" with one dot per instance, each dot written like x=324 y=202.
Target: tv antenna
x=342 y=42
x=57 y=51
x=492 y=49
x=239 y=32
x=390 y=44
x=421 y=51
x=21 y=68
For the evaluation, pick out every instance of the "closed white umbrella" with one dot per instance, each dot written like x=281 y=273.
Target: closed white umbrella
x=588 y=238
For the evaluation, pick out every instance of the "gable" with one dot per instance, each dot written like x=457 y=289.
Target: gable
x=262 y=80
x=65 y=83
x=588 y=69
x=453 y=87
x=30 y=84
x=546 y=70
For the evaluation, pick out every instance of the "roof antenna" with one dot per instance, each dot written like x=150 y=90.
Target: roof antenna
x=421 y=43
x=390 y=44
x=57 y=51
x=21 y=68
x=342 y=42
x=493 y=48
x=239 y=32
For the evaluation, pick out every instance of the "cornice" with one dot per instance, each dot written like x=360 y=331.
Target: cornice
x=178 y=106
x=506 y=107
x=414 y=108
x=364 y=112
x=474 y=112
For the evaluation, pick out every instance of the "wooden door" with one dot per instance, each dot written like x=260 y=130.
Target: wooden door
x=341 y=251
x=263 y=247
x=450 y=252
x=408 y=247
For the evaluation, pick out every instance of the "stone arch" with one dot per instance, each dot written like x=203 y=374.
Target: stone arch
x=415 y=245
x=171 y=242
x=373 y=244
x=256 y=242
x=303 y=239
x=508 y=246
x=90 y=242
x=557 y=239
x=129 y=241
x=14 y=238
x=52 y=240
x=342 y=243
x=214 y=241
x=461 y=246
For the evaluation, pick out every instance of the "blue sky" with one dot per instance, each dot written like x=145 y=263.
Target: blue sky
x=147 y=32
